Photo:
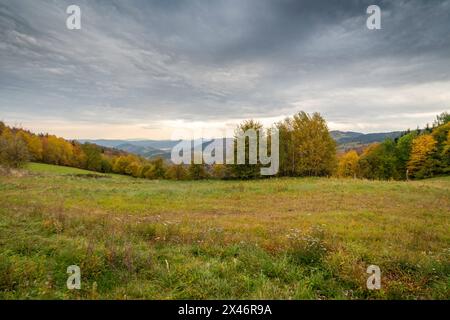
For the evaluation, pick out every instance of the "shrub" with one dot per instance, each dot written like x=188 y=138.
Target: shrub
x=176 y=172
x=13 y=151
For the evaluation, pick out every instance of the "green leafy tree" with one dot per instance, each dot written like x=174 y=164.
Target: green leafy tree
x=379 y=161
x=446 y=155
x=246 y=170
x=440 y=134
x=403 y=152
x=106 y=166
x=443 y=118
x=93 y=157
x=159 y=168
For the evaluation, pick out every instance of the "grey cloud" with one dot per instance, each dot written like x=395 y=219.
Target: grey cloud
x=139 y=60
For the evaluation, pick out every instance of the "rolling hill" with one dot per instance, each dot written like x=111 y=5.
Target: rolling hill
x=161 y=148
x=347 y=140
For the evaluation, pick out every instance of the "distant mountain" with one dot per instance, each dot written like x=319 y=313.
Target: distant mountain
x=342 y=137
x=145 y=148
x=157 y=144
x=352 y=140
x=339 y=135
x=162 y=148
x=147 y=152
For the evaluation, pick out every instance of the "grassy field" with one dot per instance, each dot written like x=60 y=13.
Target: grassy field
x=41 y=168
x=273 y=239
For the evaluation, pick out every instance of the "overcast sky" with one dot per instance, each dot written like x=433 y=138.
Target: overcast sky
x=140 y=69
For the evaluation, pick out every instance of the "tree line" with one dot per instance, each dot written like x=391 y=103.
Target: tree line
x=306 y=148
x=417 y=154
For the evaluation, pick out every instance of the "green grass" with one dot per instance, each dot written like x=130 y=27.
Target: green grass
x=287 y=238
x=43 y=168
x=48 y=169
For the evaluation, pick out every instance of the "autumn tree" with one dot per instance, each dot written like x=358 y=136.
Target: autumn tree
x=13 y=150
x=78 y=156
x=197 y=171
x=127 y=164
x=147 y=171
x=57 y=151
x=159 y=168
x=306 y=146
x=176 y=172
x=2 y=127
x=134 y=169
x=423 y=162
x=221 y=171
x=348 y=165
x=120 y=164
x=34 y=145
x=66 y=154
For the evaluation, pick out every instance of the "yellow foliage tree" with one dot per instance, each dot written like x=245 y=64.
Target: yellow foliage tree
x=34 y=144
x=306 y=146
x=134 y=169
x=57 y=151
x=422 y=161
x=348 y=165
x=130 y=165
x=13 y=149
x=176 y=172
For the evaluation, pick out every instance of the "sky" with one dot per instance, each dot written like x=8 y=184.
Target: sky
x=140 y=69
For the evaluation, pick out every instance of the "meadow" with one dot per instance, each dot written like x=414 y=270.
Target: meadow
x=280 y=238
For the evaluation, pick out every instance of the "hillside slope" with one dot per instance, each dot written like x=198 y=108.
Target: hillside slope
x=289 y=238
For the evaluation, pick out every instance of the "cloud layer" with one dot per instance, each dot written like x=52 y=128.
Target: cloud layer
x=142 y=68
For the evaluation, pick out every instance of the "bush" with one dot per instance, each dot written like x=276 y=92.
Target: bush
x=159 y=169
x=176 y=172
x=221 y=171
x=197 y=172
x=13 y=151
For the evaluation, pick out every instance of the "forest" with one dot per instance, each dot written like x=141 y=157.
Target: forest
x=306 y=149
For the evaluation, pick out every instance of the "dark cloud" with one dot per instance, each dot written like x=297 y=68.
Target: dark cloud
x=151 y=61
